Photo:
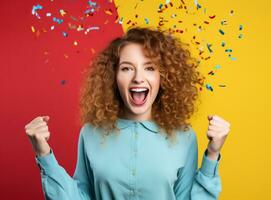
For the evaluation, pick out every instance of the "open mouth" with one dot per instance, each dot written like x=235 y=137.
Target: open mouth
x=139 y=97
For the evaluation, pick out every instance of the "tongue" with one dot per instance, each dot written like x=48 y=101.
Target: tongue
x=138 y=97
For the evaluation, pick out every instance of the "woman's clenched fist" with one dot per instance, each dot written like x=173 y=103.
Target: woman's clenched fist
x=38 y=133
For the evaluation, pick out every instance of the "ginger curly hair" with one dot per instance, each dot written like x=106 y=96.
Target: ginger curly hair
x=100 y=102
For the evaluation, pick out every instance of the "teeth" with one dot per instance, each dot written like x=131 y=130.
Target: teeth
x=138 y=89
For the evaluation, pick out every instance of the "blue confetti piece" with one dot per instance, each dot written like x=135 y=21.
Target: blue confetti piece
x=90 y=11
x=209 y=87
x=147 y=21
x=90 y=3
x=217 y=67
x=240 y=27
x=197 y=4
x=228 y=50
x=34 y=10
x=223 y=43
x=160 y=6
x=222 y=32
x=232 y=58
x=65 y=34
x=59 y=21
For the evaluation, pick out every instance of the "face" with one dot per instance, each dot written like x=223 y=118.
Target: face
x=138 y=81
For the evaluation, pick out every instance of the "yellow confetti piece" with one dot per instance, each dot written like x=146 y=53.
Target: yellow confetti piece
x=33 y=29
x=80 y=28
x=75 y=43
x=62 y=12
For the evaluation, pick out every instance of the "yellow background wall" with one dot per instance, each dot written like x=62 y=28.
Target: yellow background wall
x=244 y=102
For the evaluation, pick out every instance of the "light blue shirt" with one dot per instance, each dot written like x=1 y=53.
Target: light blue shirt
x=138 y=164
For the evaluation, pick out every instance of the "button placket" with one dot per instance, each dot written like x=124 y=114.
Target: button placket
x=134 y=160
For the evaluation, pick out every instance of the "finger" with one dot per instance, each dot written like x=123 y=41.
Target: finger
x=211 y=133
x=215 y=128
x=40 y=124
x=40 y=129
x=215 y=122
x=217 y=118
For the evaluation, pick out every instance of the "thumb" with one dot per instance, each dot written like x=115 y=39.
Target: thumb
x=46 y=118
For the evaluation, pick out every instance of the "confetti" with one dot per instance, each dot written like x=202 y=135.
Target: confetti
x=240 y=35
x=212 y=17
x=146 y=20
x=75 y=43
x=80 y=28
x=209 y=87
x=217 y=67
x=108 y=12
x=91 y=28
x=33 y=29
x=65 y=34
x=228 y=50
x=211 y=73
x=121 y=20
x=223 y=22
x=209 y=47
x=34 y=10
x=59 y=21
x=197 y=4
x=222 y=85
x=221 y=31
x=223 y=43
x=62 y=12
x=240 y=27
x=48 y=14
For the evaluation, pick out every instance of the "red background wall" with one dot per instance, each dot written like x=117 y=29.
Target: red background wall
x=32 y=68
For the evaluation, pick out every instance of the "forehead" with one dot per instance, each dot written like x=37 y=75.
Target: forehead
x=133 y=52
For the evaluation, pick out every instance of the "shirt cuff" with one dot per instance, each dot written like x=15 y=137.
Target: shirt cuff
x=46 y=162
x=209 y=167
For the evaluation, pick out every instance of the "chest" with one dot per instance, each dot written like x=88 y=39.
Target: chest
x=135 y=157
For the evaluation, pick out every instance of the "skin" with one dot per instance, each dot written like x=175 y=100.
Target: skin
x=135 y=73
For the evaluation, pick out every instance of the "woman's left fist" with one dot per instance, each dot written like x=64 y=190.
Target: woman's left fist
x=218 y=130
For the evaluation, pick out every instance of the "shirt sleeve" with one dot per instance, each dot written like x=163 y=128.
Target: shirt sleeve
x=57 y=183
x=198 y=184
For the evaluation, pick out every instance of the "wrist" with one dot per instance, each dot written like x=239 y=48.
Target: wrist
x=212 y=155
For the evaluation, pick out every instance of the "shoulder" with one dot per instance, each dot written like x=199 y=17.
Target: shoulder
x=189 y=135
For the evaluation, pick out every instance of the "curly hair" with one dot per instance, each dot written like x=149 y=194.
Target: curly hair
x=100 y=102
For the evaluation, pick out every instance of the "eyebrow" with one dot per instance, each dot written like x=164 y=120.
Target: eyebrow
x=129 y=63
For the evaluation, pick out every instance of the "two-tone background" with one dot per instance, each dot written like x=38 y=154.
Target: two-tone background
x=47 y=44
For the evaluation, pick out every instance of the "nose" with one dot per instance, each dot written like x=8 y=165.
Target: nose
x=139 y=77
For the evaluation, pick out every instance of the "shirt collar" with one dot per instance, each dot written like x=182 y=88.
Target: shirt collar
x=148 y=124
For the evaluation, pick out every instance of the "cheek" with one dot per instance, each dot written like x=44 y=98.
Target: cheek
x=121 y=83
x=155 y=82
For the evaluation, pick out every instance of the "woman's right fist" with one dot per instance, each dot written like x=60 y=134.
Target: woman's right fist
x=37 y=131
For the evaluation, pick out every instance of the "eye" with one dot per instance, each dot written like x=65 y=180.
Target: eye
x=152 y=68
x=124 y=68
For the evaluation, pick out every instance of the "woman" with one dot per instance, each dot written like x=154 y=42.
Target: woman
x=135 y=141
